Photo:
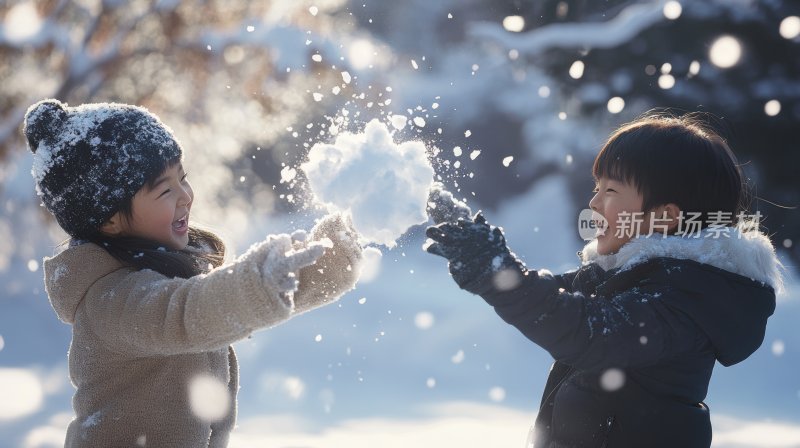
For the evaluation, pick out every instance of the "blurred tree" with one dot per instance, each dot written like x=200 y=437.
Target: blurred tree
x=679 y=63
x=569 y=58
x=228 y=76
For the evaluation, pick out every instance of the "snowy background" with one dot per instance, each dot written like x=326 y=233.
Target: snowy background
x=512 y=100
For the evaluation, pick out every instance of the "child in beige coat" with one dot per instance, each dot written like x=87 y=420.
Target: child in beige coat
x=152 y=307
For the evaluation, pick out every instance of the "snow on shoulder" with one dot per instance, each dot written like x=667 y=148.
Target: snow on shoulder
x=383 y=185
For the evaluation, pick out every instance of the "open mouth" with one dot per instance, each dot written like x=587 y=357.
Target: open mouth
x=181 y=225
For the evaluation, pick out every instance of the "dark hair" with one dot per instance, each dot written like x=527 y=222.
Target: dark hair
x=676 y=159
x=204 y=252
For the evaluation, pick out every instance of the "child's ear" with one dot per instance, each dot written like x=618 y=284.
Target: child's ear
x=667 y=214
x=113 y=227
x=673 y=213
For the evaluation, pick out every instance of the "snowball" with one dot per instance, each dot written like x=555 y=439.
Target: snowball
x=22 y=393
x=507 y=161
x=294 y=387
x=497 y=394
x=544 y=91
x=778 y=347
x=615 y=105
x=288 y=174
x=383 y=185
x=672 y=10
x=694 y=68
x=666 y=81
x=515 y=24
x=772 y=108
x=424 y=320
x=22 y=22
x=576 y=70
x=289 y=386
x=506 y=280
x=209 y=398
x=458 y=358
x=725 y=52
x=398 y=121
x=790 y=27
x=612 y=379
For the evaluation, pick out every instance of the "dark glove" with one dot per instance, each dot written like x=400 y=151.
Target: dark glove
x=444 y=207
x=479 y=259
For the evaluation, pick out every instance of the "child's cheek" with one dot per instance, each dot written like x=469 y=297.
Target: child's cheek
x=165 y=219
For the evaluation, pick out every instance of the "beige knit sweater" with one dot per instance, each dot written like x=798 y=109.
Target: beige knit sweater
x=139 y=339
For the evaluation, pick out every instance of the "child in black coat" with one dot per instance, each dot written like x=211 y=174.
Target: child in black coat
x=636 y=330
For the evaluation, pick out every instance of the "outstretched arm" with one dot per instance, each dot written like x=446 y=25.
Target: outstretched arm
x=143 y=313
x=631 y=328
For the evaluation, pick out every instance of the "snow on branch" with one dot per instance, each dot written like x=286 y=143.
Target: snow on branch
x=626 y=25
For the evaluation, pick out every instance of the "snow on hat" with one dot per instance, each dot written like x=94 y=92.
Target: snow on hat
x=88 y=160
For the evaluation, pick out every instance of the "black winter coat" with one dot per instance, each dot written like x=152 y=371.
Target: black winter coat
x=635 y=345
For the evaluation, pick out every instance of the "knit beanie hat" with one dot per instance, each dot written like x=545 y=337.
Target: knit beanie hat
x=88 y=160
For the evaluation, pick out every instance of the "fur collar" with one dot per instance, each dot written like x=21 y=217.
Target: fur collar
x=747 y=252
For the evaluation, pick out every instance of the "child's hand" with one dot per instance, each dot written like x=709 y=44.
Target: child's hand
x=443 y=207
x=338 y=232
x=334 y=273
x=477 y=253
x=287 y=256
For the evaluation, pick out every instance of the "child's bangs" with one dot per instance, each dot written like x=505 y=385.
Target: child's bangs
x=615 y=163
x=159 y=167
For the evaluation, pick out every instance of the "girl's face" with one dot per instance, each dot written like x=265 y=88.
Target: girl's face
x=160 y=213
x=621 y=206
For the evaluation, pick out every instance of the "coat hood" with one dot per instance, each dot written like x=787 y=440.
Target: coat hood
x=747 y=252
x=70 y=274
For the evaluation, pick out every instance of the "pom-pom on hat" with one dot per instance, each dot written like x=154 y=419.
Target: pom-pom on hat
x=89 y=159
